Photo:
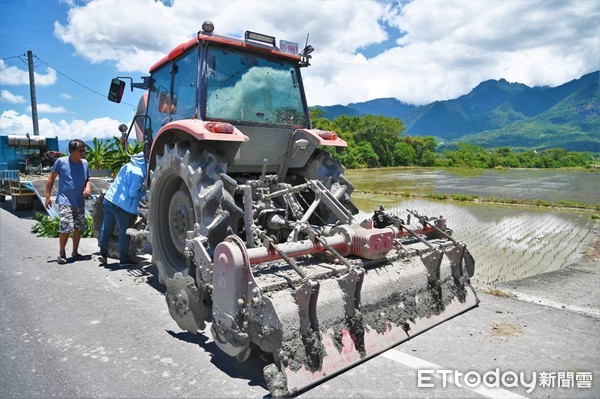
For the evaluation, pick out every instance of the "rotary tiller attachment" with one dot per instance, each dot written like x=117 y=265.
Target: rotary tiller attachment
x=326 y=303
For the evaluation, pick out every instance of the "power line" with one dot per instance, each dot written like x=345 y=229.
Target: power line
x=76 y=82
x=14 y=56
x=21 y=57
x=71 y=79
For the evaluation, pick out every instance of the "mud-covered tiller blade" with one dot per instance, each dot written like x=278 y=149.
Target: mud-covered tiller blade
x=362 y=290
x=397 y=302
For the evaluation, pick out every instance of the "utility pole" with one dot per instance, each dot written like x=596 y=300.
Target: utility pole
x=34 y=114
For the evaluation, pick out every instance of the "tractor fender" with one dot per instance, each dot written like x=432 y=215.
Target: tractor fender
x=203 y=130
x=223 y=137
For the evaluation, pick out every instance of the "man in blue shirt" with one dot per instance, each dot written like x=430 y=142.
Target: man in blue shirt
x=120 y=206
x=73 y=188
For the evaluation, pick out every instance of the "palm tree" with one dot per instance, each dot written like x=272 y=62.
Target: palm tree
x=117 y=157
x=96 y=154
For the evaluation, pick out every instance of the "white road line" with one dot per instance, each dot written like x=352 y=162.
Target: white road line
x=420 y=364
x=556 y=305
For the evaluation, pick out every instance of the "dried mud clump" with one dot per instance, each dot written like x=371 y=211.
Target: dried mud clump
x=592 y=254
x=305 y=351
x=399 y=309
x=356 y=328
x=357 y=332
x=500 y=330
x=275 y=381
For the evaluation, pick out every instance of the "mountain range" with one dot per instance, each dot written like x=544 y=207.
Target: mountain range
x=498 y=113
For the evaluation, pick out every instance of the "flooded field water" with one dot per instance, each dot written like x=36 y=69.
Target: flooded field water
x=549 y=185
x=508 y=242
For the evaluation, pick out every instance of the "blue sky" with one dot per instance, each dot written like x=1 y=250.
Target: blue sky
x=416 y=51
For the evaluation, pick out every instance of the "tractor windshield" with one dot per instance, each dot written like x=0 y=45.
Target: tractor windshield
x=247 y=88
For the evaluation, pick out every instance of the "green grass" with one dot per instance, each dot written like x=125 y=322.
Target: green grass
x=47 y=226
x=476 y=198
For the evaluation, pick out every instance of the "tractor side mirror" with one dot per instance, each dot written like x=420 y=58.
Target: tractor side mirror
x=117 y=87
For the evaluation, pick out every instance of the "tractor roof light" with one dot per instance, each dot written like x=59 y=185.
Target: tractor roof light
x=259 y=37
x=208 y=27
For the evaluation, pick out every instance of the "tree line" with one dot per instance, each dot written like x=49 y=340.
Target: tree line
x=473 y=156
x=378 y=141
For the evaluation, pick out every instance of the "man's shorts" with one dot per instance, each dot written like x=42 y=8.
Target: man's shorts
x=71 y=218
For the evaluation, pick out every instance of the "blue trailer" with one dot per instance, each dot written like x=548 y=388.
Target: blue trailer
x=25 y=162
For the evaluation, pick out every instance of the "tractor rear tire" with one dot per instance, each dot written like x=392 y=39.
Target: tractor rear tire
x=323 y=167
x=185 y=190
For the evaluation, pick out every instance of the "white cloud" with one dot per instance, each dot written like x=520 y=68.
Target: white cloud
x=13 y=76
x=66 y=96
x=101 y=31
x=444 y=48
x=48 y=109
x=12 y=122
x=8 y=97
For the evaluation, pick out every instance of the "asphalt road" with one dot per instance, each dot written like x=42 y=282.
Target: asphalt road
x=83 y=330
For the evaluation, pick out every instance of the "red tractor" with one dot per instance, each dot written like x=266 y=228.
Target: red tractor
x=252 y=225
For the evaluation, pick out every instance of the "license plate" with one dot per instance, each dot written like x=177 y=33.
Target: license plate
x=288 y=47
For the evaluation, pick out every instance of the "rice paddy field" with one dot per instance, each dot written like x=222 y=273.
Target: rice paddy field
x=507 y=242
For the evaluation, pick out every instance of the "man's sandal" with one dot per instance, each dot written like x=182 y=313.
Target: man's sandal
x=61 y=260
